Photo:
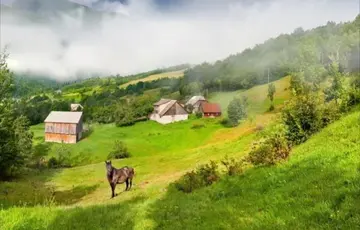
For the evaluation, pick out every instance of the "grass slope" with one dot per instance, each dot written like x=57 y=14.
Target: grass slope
x=172 y=74
x=160 y=154
x=151 y=138
x=257 y=96
x=143 y=139
x=318 y=188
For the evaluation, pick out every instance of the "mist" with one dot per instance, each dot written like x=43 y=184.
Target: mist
x=143 y=35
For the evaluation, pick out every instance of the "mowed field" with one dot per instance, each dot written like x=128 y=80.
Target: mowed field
x=173 y=74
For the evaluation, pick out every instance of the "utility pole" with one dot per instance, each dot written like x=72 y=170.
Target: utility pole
x=268 y=76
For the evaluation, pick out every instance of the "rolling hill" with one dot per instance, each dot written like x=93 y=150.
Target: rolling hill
x=172 y=74
x=316 y=188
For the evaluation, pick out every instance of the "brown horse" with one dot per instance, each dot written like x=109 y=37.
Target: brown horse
x=119 y=176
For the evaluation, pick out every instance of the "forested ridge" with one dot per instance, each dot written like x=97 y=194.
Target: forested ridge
x=310 y=51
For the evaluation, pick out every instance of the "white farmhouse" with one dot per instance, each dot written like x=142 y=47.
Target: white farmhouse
x=167 y=111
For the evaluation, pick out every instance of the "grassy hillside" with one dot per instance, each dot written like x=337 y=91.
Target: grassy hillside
x=258 y=100
x=143 y=139
x=316 y=189
x=150 y=138
x=172 y=74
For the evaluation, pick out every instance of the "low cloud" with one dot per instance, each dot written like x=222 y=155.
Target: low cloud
x=143 y=35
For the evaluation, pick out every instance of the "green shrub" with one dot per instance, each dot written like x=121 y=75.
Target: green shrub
x=203 y=176
x=270 y=150
x=272 y=107
x=199 y=114
x=225 y=122
x=331 y=112
x=189 y=182
x=119 y=151
x=53 y=163
x=189 y=108
x=127 y=120
x=198 y=125
x=302 y=117
x=233 y=167
x=354 y=97
x=237 y=110
x=209 y=173
x=63 y=153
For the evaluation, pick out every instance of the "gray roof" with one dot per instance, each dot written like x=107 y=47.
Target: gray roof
x=167 y=107
x=162 y=101
x=194 y=99
x=64 y=117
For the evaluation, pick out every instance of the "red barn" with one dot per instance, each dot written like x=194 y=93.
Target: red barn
x=210 y=109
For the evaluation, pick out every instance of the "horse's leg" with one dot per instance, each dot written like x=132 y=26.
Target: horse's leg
x=112 y=190
x=130 y=183
x=127 y=184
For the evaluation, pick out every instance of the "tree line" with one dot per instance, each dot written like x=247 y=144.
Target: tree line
x=310 y=51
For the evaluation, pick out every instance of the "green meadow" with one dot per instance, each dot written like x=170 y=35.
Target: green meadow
x=316 y=189
x=257 y=96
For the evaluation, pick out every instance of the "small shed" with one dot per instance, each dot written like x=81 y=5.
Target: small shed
x=66 y=127
x=210 y=109
x=195 y=102
x=76 y=107
x=168 y=111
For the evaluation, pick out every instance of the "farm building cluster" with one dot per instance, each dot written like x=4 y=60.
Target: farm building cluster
x=67 y=126
x=168 y=111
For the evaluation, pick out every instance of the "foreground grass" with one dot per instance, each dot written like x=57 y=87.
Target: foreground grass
x=318 y=188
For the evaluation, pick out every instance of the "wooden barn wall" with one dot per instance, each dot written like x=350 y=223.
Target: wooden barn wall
x=56 y=137
x=79 y=126
x=61 y=128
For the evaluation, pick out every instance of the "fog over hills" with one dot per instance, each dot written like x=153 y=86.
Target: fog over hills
x=63 y=38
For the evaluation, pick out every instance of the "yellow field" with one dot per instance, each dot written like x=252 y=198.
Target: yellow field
x=173 y=74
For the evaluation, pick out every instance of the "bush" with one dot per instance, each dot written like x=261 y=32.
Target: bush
x=233 y=167
x=205 y=175
x=225 y=122
x=127 y=120
x=331 y=112
x=119 y=151
x=209 y=173
x=198 y=125
x=271 y=108
x=189 y=108
x=302 y=117
x=199 y=114
x=63 y=156
x=271 y=150
x=53 y=163
x=237 y=110
x=354 y=96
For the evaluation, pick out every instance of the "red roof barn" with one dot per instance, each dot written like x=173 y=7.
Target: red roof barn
x=210 y=109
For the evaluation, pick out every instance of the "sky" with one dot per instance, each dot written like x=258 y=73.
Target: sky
x=150 y=34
